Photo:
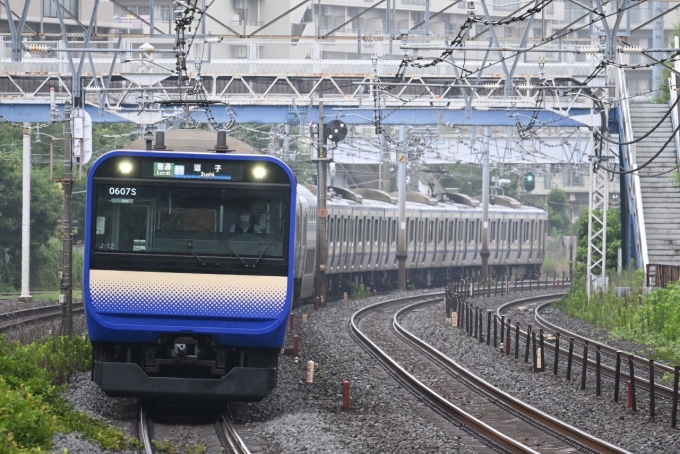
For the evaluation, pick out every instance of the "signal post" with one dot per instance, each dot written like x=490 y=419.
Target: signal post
x=334 y=131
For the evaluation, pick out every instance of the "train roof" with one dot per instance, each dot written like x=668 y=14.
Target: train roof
x=381 y=200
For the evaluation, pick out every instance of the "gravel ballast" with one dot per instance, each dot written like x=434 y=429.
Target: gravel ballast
x=299 y=416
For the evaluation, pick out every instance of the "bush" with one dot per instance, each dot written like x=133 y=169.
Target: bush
x=653 y=320
x=31 y=407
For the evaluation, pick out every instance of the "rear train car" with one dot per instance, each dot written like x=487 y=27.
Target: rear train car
x=189 y=264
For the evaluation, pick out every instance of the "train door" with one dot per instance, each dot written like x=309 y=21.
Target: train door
x=498 y=241
x=420 y=240
x=475 y=237
x=358 y=242
x=413 y=239
x=451 y=241
x=379 y=235
x=393 y=242
x=439 y=249
x=520 y=243
x=463 y=235
x=515 y=246
x=368 y=243
x=346 y=239
x=492 y=239
x=532 y=239
x=350 y=241
x=427 y=241
x=330 y=240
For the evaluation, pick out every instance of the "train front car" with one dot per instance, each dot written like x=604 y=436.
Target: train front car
x=188 y=273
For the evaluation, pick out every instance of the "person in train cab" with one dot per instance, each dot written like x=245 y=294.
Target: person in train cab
x=246 y=223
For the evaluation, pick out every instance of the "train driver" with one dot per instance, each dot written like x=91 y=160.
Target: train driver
x=246 y=223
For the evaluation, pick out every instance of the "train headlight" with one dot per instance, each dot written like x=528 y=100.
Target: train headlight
x=259 y=172
x=125 y=167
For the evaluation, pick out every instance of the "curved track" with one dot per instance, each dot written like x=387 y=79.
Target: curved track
x=489 y=413
x=607 y=352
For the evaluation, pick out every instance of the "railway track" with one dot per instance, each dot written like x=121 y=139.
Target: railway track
x=608 y=353
x=489 y=414
x=12 y=320
x=214 y=429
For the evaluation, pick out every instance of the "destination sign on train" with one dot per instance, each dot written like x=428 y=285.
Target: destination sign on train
x=201 y=170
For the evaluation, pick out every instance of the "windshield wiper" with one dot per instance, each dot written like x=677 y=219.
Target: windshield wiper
x=185 y=245
x=265 y=250
x=223 y=240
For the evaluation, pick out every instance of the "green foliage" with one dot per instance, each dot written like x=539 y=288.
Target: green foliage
x=558 y=217
x=613 y=241
x=31 y=407
x=360 y=292
x=675 y=176
x=605 y=310
x=47 y=202
x=653 y=320
x=165 y=446
x=195 y=449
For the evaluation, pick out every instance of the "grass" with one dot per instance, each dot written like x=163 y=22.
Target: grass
x=32 y=408
x=653 y=320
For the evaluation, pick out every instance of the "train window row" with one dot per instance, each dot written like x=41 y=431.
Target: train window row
x=369 y=230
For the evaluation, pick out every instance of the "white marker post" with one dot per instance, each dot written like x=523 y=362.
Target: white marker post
x=26 y=219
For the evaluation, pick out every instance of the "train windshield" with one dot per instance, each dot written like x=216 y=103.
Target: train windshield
x=191 y=221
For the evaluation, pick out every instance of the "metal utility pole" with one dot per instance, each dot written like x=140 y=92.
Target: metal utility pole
x=597 y=227
x=384 y=177
x=658 y=41
x=66 y=297
x=485 y=204
x=401 y=188
x=321 y=287
x=26 y=218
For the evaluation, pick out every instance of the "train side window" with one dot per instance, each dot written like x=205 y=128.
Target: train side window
x=492 y=234
x=394 y=231
x=471 y=232
x=431 y=236
x=331 y=230
x=503 y=232
x=526 y=232
x=514 y=232
x=359 y=230
x=375 y=230
x=441 y=232
x=344 y=229
x=368 y=230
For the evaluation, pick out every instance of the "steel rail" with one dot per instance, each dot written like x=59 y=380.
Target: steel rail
x=553 y=424
x=604 y=348
x=450 y=410
x=143 y=430
x=228 y=429
x=640 y=381
x=11 y=320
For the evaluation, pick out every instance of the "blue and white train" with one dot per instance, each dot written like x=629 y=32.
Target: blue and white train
x=443 y=239
x=178 y=302
x=192 y=262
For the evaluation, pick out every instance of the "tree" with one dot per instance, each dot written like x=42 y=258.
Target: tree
x=613 y=241
x=558 y=218
x=46 y=203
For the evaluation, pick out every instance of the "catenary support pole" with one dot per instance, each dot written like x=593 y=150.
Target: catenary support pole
x=26 y=218
x=66 y=297
x=321 y=166
x=485 y=205
x=401 y=188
